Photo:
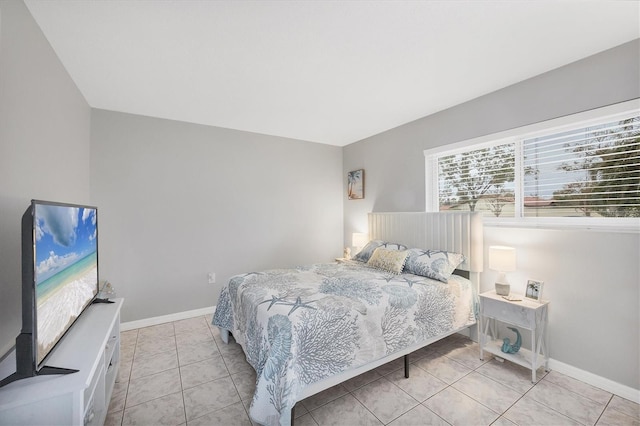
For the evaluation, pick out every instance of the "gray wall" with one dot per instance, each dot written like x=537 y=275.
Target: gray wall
x=44 y=144
x=592 y=278
x=178 y=200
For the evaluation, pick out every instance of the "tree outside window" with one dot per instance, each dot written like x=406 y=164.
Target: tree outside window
x=478 y=180
x=590 y=172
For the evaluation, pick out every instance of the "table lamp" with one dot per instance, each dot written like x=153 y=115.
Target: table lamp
x=359 y=240
x=502 y=259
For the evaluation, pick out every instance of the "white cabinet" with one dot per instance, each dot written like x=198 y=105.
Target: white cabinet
x=527 y=314
x=91 y=346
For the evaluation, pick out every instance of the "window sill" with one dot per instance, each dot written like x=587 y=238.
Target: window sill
x=621 y=225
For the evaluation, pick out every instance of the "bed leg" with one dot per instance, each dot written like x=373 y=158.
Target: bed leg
x=293 y=413
x=406 y=366
x=224 y=335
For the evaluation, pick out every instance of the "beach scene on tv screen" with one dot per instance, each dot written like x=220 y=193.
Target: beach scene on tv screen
x=66 y=269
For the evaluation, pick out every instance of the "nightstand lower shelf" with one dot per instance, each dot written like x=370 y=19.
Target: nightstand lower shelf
x=524 y=357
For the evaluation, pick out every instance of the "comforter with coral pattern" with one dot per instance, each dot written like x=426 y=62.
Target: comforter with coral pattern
x=299 y=326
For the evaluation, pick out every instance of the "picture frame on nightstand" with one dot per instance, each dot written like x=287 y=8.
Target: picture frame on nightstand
x=534 y=290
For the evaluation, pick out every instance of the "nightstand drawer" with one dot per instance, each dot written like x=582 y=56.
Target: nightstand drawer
x=509 y=312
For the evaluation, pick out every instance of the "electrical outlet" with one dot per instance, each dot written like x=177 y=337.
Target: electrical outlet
x=212 y=277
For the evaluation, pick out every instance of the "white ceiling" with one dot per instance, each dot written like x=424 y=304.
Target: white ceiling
x=332 y=72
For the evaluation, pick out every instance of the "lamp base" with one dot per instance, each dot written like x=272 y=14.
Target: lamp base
x=503 y=289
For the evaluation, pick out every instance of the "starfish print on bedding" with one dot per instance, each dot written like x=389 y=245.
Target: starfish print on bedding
x=274 y=300
x=295 y=305
x=411 y=282
x=388 y=277
x=300 y=304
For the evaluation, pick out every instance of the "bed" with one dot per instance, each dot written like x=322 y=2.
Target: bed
x=309 y=328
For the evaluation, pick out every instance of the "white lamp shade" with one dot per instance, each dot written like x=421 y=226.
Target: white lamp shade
x=502 y=259
x=359 y=239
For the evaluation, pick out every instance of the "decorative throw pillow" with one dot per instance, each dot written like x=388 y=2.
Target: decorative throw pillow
x=435 y=264
x=365 y=254
x=388 y=260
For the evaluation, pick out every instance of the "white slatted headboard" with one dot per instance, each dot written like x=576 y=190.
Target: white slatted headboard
x=457 y=232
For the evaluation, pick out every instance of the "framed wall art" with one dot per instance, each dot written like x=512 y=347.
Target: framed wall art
x=355 y=184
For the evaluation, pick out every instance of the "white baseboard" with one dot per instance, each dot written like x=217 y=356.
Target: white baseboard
x=605 y=384
x=130 y=325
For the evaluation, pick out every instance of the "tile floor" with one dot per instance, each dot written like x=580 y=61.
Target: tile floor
x=181 y=373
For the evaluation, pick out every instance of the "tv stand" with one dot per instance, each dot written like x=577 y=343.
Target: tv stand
x=92 y=346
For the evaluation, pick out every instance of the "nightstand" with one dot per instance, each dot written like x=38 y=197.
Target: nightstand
x=528 y=314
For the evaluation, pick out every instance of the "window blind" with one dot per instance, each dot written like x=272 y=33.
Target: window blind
x=590 y=171
x=478 y=180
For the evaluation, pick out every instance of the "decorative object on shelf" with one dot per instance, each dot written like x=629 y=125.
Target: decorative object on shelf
x=507 y=347
x=534 y=290
x=346 y=254
x=359 y=240
x=107 y=291
x=355 y=184
x=502 y=259
x=512 y=298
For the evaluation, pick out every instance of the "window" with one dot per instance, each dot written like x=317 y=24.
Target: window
x=478 y=180
x=590 y=171
x=577 y=170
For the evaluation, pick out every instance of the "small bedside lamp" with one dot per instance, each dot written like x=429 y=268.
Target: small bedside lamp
x=502 y=259
x=359 y=240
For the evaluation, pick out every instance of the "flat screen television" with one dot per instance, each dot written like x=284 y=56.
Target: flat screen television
x=59 y=280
